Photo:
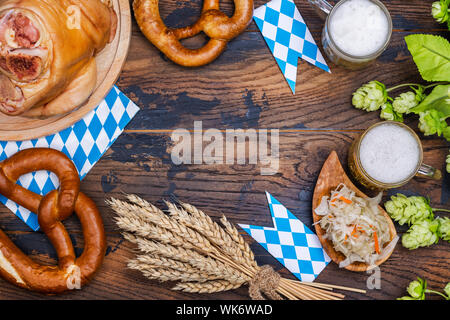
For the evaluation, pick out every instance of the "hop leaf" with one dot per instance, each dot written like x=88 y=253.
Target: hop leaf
x=370 y=97
x=420 y=95
x=416 y=290
x=408 y=210
x=430 y=53
x=421 y=234
x=431 y=122
x=444 y=228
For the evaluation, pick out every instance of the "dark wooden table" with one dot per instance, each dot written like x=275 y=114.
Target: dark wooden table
x=244 y=89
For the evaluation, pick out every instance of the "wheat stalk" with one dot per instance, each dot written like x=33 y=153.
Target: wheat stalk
x=168 y=274
x=203 y=224
x=192 y=257
x=152 y=215
x=189 y=247
x=243 y=246
x=207 y=287
x=149 y=231
x=163 y=262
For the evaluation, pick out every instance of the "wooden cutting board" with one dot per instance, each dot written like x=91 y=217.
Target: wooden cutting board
x=109 y=65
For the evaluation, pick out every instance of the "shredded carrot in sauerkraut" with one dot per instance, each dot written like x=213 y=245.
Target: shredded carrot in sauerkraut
x=355 y=226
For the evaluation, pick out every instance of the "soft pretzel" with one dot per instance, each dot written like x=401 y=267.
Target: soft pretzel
x=213 y=22
x=52 y=209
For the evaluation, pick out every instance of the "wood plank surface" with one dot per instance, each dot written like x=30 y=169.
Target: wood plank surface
x=244 y=89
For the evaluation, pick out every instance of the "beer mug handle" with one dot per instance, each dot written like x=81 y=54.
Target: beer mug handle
x=426 y=171
x=322 y=8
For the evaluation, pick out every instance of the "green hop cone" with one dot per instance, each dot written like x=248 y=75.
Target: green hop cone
x=370 y=97
x=421 y=234
x=405 y=102
x=447 y=290
x=388 y=113
x=444 y=228
x=416 y=290
x=448 y=163
x=408 y=210
x=446 y=134
x=439 y=10
x=430 y=122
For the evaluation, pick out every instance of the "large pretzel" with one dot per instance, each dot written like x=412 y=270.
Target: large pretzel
x=52 y=209
x=213 y=22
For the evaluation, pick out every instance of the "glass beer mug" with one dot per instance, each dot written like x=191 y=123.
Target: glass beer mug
x=356 y=32
x=388 y=155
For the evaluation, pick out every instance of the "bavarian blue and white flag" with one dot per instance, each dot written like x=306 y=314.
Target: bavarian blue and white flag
x=84 y=143
x=288 y=37
x=292 y=243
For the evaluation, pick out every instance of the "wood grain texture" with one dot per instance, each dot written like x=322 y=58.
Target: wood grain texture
x=254 y=92
x=238 y=192
x=244 y=89
x=406 y=15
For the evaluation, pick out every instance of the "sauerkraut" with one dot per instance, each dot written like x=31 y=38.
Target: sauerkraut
x=355 y=226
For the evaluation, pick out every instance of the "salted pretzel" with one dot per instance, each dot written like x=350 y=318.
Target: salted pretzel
x=52 y=209
x=213 y=22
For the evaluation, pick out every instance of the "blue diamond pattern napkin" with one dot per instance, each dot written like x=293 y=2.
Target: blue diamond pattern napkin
x=84 y=142
x=292 y=243
x=288 y=37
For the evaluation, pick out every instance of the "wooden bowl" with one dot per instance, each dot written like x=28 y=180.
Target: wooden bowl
x=109 y=65
x=331 y=175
